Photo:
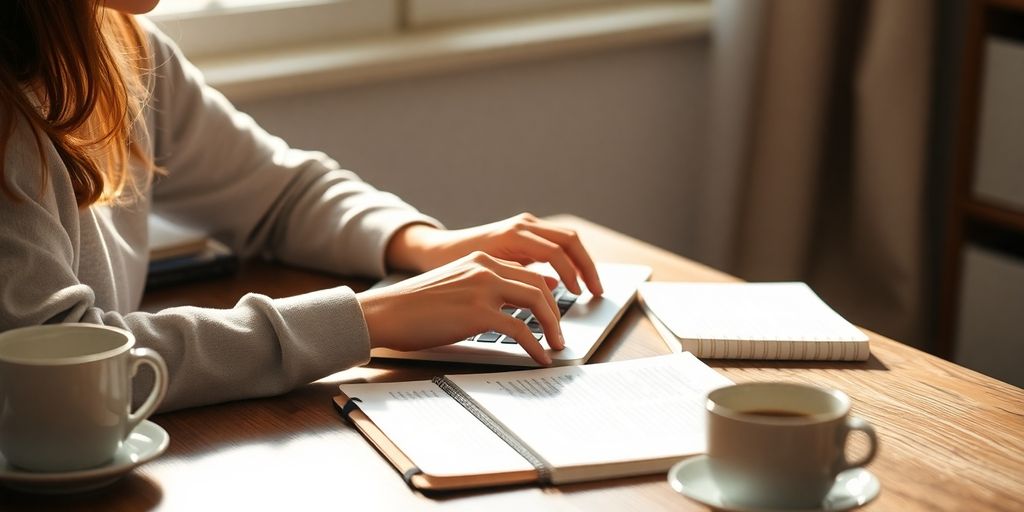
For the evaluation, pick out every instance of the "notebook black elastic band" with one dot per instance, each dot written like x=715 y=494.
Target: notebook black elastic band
x=409 y=473
x=538 y=462
x=349 y=406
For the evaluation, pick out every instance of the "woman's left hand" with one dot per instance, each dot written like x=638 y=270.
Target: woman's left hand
x=523 y=239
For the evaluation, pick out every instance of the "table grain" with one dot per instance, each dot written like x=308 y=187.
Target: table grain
x=950 y=438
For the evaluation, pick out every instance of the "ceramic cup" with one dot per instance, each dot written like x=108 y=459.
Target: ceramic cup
x=66 y=392
x=780 y=445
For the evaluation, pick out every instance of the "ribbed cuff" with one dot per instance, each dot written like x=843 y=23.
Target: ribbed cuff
x=326 y=333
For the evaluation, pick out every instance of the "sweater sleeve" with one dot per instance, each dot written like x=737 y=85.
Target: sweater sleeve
x=62 y=264
x=230 y=177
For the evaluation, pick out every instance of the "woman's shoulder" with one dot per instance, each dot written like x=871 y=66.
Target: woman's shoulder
x=26 y=151
x=164 y=52
x=171 y=75
x=33 y=171
x=158 y=40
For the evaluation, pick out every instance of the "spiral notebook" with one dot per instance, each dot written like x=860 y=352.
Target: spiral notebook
x=778 y=321
x=549 y=426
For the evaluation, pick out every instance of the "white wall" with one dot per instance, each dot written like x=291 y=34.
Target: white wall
x=614 y=136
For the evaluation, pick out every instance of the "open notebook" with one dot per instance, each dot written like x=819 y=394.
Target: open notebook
x=550 y=425
x=751 y=321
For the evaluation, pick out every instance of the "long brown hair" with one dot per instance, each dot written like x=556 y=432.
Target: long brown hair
x=85 y=66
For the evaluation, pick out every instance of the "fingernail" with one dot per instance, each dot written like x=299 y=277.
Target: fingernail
x=545 y=360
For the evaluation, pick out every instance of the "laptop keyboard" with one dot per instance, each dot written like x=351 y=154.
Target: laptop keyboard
x=563 y=297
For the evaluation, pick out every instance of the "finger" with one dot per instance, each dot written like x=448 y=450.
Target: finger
x=552 y=282
x=529 y=297
x=517 y=330
x=539 y=248
x=570 y=242
x=516 y=272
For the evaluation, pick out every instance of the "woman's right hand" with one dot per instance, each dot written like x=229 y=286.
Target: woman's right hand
x=459 y=300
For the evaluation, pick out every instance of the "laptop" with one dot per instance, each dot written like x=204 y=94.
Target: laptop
x=586 y=321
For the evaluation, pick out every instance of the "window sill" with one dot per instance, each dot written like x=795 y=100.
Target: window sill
x=304 y=69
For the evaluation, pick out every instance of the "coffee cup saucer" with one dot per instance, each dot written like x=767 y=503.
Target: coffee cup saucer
x=145 y=443
x=692 y=478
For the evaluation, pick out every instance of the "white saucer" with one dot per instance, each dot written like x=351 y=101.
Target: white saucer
x=145 y=443
x=691 y=478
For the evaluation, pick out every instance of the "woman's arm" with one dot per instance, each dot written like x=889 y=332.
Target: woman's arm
x=228 y=176
x=61 y=264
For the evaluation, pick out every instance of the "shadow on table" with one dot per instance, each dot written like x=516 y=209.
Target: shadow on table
x=872 y=364
x=146 y=496
x=604 y=485
x=307 y=411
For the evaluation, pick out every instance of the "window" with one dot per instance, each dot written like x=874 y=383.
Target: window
x=257 y=48
x=434 y=12
x=208 y=27
x=223 y=27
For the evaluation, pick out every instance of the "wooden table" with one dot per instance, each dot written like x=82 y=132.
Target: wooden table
x=951 y=438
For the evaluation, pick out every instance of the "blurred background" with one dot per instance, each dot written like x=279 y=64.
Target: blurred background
x=874 y=149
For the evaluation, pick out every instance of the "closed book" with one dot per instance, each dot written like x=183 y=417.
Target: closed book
x=775 y=321
x=168 y=240
x=547 y=426
x=179 y=254
x=215 y=260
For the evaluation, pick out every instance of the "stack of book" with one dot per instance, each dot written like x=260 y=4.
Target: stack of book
x=179 y=254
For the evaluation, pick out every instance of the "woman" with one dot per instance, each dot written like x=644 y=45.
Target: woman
x=102 y=120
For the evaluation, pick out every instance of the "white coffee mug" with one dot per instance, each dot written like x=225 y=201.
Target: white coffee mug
x=66 y=393
x=780 y=445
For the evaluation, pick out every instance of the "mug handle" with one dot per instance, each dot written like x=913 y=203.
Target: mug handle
x=139 y=357
x=854 y=423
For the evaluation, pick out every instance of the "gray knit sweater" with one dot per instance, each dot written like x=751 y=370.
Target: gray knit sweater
x=224 y=174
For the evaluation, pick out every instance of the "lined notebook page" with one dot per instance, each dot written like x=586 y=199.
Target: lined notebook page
x=433 y=430
x=746 y=311
x=602 y=413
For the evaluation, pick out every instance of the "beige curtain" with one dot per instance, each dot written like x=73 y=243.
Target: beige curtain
x=819 y=131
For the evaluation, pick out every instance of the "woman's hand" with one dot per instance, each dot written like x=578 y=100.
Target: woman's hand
x=523 y=239
x=461 y=299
